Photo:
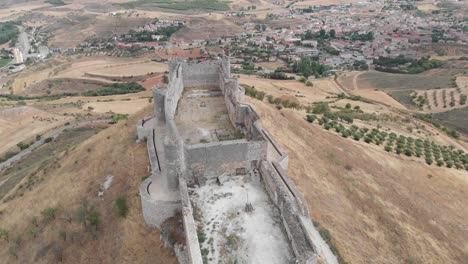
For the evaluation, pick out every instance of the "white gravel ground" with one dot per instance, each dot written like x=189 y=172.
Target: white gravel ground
x=234 y=235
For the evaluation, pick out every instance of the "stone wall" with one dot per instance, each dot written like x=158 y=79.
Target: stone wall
x=211 y=160
x=190 y=228
x=156 y=212
x=291 y=213
x=201 y=75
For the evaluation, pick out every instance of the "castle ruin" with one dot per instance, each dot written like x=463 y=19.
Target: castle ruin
x=212 y=161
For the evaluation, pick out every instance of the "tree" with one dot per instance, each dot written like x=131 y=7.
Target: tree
x=348 y=106
x=322 y=33
x=332 y=33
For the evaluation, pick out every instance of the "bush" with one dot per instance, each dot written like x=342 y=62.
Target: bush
x=408 y=152
x=22 y=145
x=49 y=139
x=4 y=234
x=116 y=88
x=429 y=160
x=311 y=118
x=49 y=213
x=321 y=108
x=122 y=207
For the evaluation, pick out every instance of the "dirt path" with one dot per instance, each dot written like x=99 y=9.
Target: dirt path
x=355 y=85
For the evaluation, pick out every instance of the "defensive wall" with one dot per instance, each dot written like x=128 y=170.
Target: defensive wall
x=177 y=165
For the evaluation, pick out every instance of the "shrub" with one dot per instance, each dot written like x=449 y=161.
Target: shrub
x=348 y=106
x=49 y=213
x=4 y=234
x=49 y=139
x=270 y=99
x=22 y=145
x=122 y=207
x=429 y=160
x=408 y=152
x=321 y=108
x=346 y=133
x=311 y=118
x=388 y=148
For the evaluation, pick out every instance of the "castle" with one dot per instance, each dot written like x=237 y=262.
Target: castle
x=202 y=136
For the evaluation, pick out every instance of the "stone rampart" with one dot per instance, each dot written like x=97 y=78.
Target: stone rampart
x=210 y=160
x=291 y=213
x=201 y=75
x=155 y=212
x=190 y=228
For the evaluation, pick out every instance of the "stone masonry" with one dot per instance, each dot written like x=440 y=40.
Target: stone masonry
x=177 y=165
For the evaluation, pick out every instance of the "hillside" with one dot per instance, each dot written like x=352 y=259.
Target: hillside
x=378 y=207
x=70 y=187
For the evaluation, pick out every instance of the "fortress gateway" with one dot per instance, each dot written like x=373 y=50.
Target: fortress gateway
x=217 y=168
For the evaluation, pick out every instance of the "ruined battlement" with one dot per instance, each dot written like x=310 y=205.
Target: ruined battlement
x=202 y=131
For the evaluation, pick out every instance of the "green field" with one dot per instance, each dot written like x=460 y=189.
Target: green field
x=4 y=62
x=169 y=4
x=55 y=2
x=8 y=31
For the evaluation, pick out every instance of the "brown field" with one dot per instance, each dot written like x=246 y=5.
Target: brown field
x=380 y=97
x=78 y=69
x=22 y=124
x=207 y=27
x=75 y=177
x=307 y=3
x=271 y=65
x=379 y=207
x=426 y=6
x=119 y=107
x=305 y=95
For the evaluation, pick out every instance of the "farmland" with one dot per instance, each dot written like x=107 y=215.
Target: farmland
x=179 y=5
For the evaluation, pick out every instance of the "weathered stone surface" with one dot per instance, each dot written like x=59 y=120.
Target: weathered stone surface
x=179 y=164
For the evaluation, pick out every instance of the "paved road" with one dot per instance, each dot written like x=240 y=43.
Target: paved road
x=53 y=134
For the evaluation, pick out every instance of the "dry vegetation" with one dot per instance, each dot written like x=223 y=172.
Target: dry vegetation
x=73 y=181
x=379 y=207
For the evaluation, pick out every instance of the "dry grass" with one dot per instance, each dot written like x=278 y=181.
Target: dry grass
x=120 y=107
x=379 y=207
x=22 y=124
x=77 y=176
